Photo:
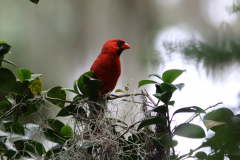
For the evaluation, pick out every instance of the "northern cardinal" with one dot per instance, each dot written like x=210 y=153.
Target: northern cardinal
x=107 y=66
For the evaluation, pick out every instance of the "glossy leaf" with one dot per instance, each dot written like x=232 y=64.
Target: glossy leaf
x=7 y=78
x=191 y=109
x=30 y=109
x=180 y=86
x=220 y=115
x=201 y=155
x=14 y=127
x=168 y=87
x=53 y=136
x=72 y=110
x=144 y=82
x=151 y=121
x=155 y=75
x=170 y=75
x=189 y=130
x=4 y=48
x=66 y=132
x=35 y=1
x=59 y=93
x=23 y=74
x=54 y=150
x=90 y=90
x=166 y=140
x=55 y=124
x=81 y=83
x=31 y=146
x=119 y=91
x=164 y=97
x=159 y=109
x=75 y=86
x=10 y=99
x=86 y=146
x=18 y=88
x=209 y=124
x=4 y=105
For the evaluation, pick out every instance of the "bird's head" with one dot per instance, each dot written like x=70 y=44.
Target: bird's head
x=115 y=46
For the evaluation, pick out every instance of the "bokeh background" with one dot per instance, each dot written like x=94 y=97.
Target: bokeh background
x=60 y=39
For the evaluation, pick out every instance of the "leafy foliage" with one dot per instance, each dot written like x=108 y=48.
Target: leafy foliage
x=102 y=138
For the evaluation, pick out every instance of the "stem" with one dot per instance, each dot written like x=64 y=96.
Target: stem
x=13 y=108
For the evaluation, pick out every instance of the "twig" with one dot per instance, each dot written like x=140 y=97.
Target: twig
x=146 y=93
x=13 y=108
x=191 y=152
x=113 y=96
x=128 y=129
x=197 y=114
x=60 y=100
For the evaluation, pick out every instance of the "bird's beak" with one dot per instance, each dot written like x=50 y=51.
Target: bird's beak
x=125 y=46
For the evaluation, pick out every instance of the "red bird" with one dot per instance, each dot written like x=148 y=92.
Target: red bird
x=107 y=66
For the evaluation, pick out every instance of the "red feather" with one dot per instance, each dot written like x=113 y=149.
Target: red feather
x=107 y=66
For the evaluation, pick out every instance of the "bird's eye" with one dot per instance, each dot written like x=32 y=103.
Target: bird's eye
x=120 y=43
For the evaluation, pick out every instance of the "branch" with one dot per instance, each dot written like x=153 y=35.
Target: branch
x=155 y=105
x=60 y=100
x=113 y=96
x=190 y=153
x=13 y=108
x=128 y=129
x=197 y=114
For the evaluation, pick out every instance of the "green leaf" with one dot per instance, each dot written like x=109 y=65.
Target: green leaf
x=53 y=136
x=220 y=115
x=90 y=90
x=7 y=78
x=159 y=109
x=35 y=1
x=119 y=91
x=166 y=140
x=54 y=150
x=75 y=86
x=201 y=155
x=164 y=97
x=10 y=99
x=155 y=75
x=80 y=81
x=14 y=127
x=89 y=80
x=151 y=121
x=170 y=75
x=72 y=110
x=4 y=48
x=18 y=88
x=171 y=103
x=24 y=74
x=180 y=86
x=189 y=130
x=86 y=146
x=4 y=105
x=70 y=90
x=66 y=132
x=59 y=93
x=55 y=124
x=30 y=146
x=144 y=82
x=214 y=125
x=168 y=87
x=193 y=109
